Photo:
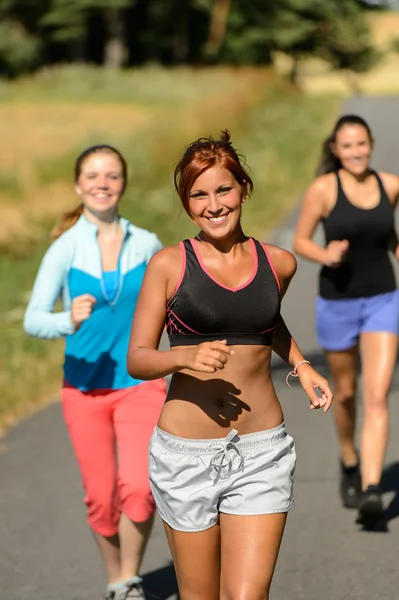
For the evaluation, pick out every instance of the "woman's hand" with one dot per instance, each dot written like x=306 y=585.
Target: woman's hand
x=207 y=357
x=81 y=309
x=335 y=253
x=311 y=380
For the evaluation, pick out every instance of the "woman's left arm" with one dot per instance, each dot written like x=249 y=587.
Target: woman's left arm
x=285 y=346
x=391 y=185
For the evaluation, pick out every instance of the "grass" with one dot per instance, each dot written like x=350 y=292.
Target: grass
x=317 y=76
x=278 y=129
x=147 y=87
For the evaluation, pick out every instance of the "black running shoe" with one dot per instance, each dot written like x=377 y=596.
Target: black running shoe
x=371 y=507
x=350 y=486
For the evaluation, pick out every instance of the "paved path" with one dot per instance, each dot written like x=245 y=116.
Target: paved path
x=46 y=552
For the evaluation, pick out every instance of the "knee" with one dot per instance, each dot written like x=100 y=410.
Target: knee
x=244 y=594
x=345 y=395
x=375 y=400
x=136 y=501
x=103 y=511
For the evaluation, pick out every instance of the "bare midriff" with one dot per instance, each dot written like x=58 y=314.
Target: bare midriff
x=241 y=396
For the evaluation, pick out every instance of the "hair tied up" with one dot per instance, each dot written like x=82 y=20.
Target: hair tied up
x=225 y=137
x=203 y=154
x=329 y=163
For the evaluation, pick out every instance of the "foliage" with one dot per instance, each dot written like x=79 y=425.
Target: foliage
x=133 y=32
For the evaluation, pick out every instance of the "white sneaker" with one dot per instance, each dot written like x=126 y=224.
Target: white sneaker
x=112 y=590
x=132 y=590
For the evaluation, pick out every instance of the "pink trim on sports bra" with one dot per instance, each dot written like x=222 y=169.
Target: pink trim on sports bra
x=271 y=266
x=170 y=312
x=183 y=270
x=226 y=287
x=267 y=330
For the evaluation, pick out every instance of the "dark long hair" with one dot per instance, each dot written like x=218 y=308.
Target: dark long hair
x=329 y=163
x=70 y=217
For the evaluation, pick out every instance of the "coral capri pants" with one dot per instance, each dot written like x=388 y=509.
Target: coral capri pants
x=110 y=431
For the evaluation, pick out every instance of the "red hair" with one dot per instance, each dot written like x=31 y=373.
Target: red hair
x=204 y=154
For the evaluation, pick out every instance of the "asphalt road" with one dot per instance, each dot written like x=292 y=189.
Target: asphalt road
x=46 y=551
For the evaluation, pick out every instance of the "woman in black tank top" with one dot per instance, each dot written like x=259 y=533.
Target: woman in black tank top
x=221 y=462
x=357 y=309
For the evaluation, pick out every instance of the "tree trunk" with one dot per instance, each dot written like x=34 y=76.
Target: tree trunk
x=77 y=51
x=217 y=27
x=294 y=71
x=180 y=41
x=115 y=51
x=353 y=83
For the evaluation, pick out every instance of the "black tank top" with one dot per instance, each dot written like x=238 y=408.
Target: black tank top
x=366 y=269
x=202 y=310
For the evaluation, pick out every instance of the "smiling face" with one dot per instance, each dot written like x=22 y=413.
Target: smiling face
x=215 y=203
x=353 y=148
x=100 y=183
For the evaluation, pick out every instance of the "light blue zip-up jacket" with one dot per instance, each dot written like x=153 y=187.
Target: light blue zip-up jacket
x=95 y=355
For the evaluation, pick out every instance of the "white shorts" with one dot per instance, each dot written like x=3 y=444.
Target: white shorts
x=193 y=480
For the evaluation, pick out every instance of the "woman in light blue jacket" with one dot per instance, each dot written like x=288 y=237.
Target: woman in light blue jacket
x=96 y=264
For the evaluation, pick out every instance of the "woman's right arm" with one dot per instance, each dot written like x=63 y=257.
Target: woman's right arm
x=144 y=360
x=310 y=215
x=39 y=320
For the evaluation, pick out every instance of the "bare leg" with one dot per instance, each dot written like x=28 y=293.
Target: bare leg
x=378 y=354
x=343 y=367
x=250 y=546
x=196 y=558
x=109 y=550
x=133 y=541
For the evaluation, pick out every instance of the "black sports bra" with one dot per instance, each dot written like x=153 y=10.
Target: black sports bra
x=203 y=310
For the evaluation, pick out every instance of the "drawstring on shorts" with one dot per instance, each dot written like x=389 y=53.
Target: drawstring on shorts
x=222 y=458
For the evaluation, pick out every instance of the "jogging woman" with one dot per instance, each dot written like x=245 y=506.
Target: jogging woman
x=221 y=460
x=97 y=263
x=358 y=303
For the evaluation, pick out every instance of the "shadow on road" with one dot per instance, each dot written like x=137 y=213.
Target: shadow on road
x=390 y=483
x=161 y=584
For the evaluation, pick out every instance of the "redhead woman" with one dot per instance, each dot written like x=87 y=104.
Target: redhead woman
x=96 y=264
x=221 y=460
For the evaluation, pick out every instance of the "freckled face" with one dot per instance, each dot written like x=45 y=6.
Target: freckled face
x=100 y=183
x=353 y=147
x=215 y=203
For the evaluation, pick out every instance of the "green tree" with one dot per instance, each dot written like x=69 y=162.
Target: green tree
x=20 y=40
x=67 y=21
x=336 y=31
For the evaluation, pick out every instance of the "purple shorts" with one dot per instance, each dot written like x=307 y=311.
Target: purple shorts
x=340 y=322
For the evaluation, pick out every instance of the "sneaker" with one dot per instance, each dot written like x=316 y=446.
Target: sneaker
x=371 y=507
x=112 y=590
x=132 y=590
x=350 y=486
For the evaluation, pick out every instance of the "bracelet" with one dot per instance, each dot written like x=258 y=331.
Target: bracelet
x=294 y=372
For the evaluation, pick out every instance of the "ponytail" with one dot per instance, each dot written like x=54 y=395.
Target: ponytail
x=329 y=163
x=68 y=219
